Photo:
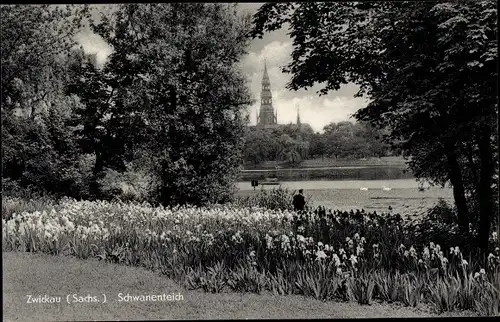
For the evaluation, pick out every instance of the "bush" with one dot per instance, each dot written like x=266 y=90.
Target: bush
x=131 y=185
x=438 y=224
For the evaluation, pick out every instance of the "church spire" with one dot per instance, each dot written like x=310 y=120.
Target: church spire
x=298 y=115
x=265 y=69
x=267 y=114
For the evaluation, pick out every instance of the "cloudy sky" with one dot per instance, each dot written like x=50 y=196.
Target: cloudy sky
x=276 y=48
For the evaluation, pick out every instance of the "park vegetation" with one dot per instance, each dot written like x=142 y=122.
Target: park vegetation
x=163 y=113
x=160 y=123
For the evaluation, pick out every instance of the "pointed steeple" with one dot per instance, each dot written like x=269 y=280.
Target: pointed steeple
x=267 y=114
x=298 y=115
x=265 y=76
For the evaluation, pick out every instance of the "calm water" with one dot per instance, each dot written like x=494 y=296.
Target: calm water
x=404 y=196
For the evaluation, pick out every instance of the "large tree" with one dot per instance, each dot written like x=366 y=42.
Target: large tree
x=37 y=148
x=33 y=39
x=429 y=69
x=175 y=70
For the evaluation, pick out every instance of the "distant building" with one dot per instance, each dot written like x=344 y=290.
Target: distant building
x=266 y=116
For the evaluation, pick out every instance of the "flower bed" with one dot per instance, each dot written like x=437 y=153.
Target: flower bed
x=330 y=255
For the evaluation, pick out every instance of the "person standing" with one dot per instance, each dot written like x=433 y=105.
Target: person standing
x=299 y=201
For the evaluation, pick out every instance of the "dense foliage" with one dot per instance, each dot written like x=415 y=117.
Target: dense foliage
x=160 y=120
x=430 y=72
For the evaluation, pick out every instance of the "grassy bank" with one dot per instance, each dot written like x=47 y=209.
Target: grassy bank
x=332 y=162
x=27 y=273
x=407 y=201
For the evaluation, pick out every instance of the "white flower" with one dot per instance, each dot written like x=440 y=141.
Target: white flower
x=336 y=260
x=320 y=255
x=406 y=253
x=269 y=242
x=426 y=254
x=482 y=271
x=476 y=275
x=320 y=244
x=252 y=253
x=353 y=259
x=464 y=262
x=339 y=271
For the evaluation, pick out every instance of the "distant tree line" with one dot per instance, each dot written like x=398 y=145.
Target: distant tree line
x=292 y=143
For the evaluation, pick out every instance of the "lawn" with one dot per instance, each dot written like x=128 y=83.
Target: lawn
x=28 y=273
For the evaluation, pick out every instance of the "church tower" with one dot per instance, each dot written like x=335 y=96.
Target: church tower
x=266 y=115
x=298 y=116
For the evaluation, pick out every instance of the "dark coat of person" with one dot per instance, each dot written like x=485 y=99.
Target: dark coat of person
x=299 y=201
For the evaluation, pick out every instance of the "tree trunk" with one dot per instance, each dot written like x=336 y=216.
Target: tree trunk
x=456 y=180
x=485 y=190
x=98 y=167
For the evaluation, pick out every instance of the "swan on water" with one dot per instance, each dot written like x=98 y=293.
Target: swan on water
x=363 y=188
x=386 y=188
